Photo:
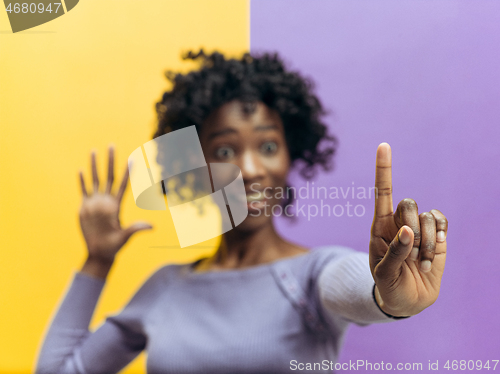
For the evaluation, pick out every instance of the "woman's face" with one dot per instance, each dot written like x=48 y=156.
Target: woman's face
x=254 y=142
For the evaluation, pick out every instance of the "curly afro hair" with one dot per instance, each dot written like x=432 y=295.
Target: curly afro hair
x=250 y=79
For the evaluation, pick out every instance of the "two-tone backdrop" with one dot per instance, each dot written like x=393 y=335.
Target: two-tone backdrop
x=421 y=75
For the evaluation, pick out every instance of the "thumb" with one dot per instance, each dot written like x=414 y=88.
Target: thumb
x=138 y=226
x=399 y=249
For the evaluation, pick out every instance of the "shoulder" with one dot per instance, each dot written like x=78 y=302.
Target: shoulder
x=162 y=276
x=163 y=273
x=328 y=253
x=153 y=286
x=144 y=299
x=311 y=264
x=297 y=277
x=306 y=269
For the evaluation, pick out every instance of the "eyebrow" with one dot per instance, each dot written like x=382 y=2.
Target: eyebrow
x=221 y=132
x=233 y=131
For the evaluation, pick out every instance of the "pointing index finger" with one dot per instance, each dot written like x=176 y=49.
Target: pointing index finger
x=383 y=181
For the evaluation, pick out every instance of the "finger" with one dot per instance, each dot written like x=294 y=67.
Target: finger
x=407 y=214
x=123 y=186
x=389 y=269
x=138 y=226
x=428 y=243
x=441 y=226
x=383 y=181
x=111 y=171
x=95 y=176
x=82 y=185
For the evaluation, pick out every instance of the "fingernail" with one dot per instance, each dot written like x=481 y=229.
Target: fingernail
x=414 y=254
x=404 y=237
x=425 y=266
x=440 y=236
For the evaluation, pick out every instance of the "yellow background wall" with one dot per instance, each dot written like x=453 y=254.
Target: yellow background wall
x=81 y=82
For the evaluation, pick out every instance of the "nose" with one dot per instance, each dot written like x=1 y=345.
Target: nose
x=252 y=168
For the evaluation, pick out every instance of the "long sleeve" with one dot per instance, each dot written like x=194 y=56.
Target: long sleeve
x=345 y=290
x=69 y=347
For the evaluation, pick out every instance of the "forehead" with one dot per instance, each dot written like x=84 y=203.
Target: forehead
x=236 y=114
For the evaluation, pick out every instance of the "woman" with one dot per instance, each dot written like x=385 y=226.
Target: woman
x=260 y=304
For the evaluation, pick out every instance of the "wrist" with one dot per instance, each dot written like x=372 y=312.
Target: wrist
x=97 y=267
x=383 y=307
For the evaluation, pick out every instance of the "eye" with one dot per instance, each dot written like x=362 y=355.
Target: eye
x=269 y=148
x=224 y=153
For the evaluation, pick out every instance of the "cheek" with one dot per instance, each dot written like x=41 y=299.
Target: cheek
x=278 y=169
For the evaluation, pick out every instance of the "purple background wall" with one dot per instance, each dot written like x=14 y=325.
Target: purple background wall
x=425 y=77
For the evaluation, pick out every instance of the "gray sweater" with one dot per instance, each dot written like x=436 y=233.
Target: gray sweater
x=269 y=318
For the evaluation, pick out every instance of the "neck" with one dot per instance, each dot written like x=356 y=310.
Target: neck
x=243 y=249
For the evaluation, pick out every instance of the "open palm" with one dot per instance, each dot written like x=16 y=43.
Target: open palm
x=99 y=215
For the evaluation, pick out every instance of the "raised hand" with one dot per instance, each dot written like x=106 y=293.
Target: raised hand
x=407 y=250
x=99 y=215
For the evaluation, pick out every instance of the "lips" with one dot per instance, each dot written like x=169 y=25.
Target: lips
x=251 y=197
x=256 y=200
